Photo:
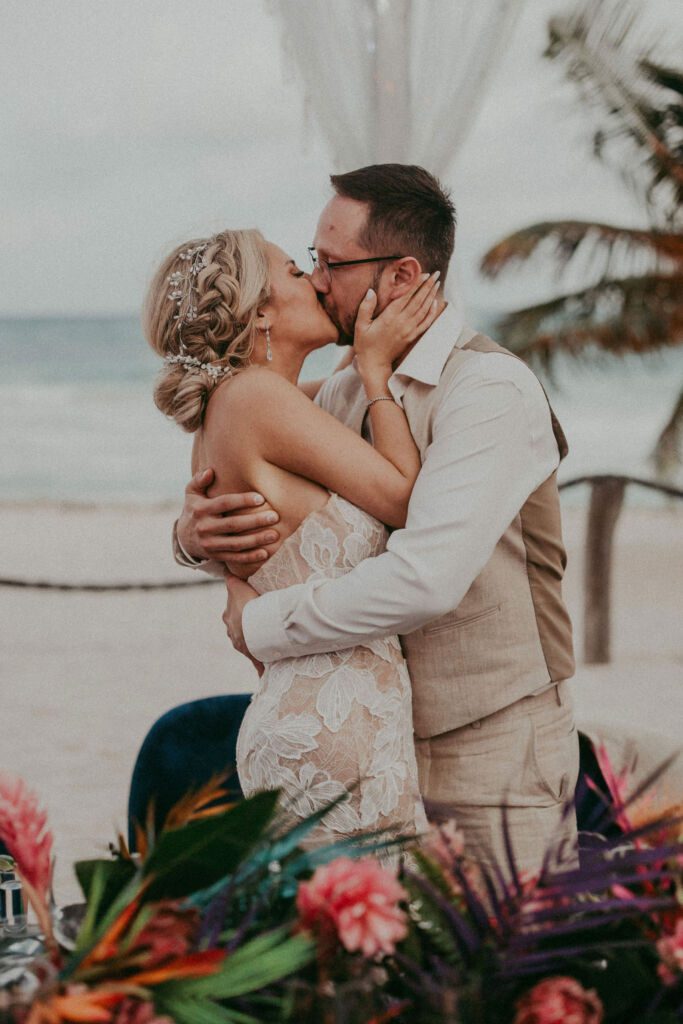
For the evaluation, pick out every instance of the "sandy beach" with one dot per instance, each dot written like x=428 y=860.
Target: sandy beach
x=85 y=675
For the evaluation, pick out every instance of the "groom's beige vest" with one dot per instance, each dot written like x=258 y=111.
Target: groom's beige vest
x=511 y=635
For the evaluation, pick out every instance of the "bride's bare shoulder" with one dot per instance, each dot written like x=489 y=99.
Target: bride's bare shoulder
x=253 y=382
x=250 y=394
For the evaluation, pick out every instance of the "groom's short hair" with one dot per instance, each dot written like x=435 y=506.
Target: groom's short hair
x=409 y=212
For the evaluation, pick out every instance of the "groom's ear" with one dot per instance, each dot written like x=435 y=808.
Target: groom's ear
x=403 y=276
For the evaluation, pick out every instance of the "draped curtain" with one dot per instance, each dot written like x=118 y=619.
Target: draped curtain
x=395 y=80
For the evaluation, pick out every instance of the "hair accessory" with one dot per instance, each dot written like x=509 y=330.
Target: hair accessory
x=192 y=363
x=183 y=283
x=269 y=351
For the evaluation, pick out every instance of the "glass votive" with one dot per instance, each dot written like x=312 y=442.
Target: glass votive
x=12 y=911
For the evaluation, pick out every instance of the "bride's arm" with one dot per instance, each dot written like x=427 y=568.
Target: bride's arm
x=293 y=433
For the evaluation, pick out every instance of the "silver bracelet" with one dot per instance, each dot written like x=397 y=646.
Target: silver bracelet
x=382 y=398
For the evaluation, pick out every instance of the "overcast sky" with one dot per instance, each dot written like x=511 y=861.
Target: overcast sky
x=127 y=126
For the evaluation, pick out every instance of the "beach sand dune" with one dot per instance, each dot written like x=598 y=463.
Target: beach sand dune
x=85 y=675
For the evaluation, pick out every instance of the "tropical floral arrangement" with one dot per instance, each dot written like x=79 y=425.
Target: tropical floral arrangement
x=223 y=917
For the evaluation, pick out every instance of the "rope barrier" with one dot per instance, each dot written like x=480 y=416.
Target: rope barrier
x=102 y=588
x=672 y=492
x=109 y=588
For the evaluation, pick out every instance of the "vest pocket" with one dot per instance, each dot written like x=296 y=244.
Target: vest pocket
x=442 y=626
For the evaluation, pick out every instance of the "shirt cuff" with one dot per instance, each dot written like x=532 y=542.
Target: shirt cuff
x=263 y=628
x=181 y=556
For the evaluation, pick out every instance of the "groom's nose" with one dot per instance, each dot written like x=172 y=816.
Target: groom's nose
x=319 y=281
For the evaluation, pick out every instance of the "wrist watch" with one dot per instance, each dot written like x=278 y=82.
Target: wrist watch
x=180 y=554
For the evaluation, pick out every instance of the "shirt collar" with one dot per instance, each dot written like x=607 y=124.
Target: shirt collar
x=427 y=358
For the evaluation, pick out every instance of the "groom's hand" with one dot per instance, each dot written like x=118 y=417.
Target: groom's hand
x=239 y=595
x=230 y=528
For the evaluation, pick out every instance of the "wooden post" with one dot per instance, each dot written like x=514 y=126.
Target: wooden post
x=607 y=498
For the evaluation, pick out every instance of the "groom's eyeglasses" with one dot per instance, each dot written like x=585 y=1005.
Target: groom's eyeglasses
x=324 y=266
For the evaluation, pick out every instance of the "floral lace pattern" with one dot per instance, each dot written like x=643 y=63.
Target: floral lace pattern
x=324 y=725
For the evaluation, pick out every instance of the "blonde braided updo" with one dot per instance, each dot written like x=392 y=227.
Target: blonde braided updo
x=213 y=322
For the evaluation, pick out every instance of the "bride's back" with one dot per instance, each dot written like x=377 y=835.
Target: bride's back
x=229 y=442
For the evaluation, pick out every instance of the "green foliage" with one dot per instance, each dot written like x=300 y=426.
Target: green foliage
x=202 y=853
x=101 y=881
x=641 y=101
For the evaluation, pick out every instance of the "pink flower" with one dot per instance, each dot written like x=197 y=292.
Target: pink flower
x=24 y=831
x=138 y=1011
x=617 y=784
x=168 y=934
x=355 y=901
x=670 y=949
x=559 y=1000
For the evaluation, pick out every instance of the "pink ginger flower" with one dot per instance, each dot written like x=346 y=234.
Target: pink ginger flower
x=559 y=1000
x=24 y=831
x=355 y=901
x=168 y=935
x=138 y=1011
x=670 y=949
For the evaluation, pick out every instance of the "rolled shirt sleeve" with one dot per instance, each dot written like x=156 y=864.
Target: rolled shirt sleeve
x=492 y=446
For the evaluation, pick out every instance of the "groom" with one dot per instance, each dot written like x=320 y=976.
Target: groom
x=473 y=582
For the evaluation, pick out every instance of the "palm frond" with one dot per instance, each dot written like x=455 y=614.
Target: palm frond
x=568 y=236
x=668 y=450
x=666 y=77
x=591 y=43
x=637 y=314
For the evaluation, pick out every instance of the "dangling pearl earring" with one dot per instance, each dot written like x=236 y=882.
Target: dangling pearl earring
x=269 y=352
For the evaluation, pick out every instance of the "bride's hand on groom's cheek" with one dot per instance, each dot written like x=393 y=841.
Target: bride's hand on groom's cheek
x=239 y=595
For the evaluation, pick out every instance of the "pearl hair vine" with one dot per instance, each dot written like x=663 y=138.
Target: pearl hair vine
x=192 y=363
x=184 y=283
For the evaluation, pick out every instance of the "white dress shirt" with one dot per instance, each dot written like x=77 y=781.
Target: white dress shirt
x=492 y=446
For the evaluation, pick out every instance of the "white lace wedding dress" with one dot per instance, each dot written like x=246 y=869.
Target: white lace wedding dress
x=327 y=724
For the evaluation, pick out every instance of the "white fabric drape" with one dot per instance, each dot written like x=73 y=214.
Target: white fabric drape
x=395 y=80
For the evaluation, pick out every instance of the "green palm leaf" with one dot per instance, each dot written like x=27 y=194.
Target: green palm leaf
x=593 y=238
x=638 y=314
x=591 y=41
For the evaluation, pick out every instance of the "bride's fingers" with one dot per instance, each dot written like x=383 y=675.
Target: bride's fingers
x=431 y=315
x=422 y=296
x=423 y=302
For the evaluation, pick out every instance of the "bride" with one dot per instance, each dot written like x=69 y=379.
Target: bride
x=234 y=319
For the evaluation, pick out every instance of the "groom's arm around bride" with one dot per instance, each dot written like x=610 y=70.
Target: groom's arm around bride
x=473 y=581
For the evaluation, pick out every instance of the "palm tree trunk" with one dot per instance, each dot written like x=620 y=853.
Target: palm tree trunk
x=607 y=498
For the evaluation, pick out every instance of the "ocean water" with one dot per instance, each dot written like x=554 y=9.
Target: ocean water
x=77 y=420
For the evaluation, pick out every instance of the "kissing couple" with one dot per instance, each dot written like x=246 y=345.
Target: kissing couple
x=391 y=535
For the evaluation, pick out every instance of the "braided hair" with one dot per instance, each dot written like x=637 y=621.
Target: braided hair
x=211 y=319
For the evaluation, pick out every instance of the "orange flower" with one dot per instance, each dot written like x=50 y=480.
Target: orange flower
x=194 y=965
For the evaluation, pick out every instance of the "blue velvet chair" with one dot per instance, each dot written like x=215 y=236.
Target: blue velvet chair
x=182 y=750
x=194 y=741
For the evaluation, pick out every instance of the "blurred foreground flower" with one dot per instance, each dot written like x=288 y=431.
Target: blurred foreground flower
x=559 y=1000
x=24 y=831
x=670 y=949
x=355 y=901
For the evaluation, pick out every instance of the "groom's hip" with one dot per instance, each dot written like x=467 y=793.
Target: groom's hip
x=524 y=757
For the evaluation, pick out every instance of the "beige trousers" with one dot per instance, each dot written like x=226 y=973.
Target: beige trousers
x=525 y=757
